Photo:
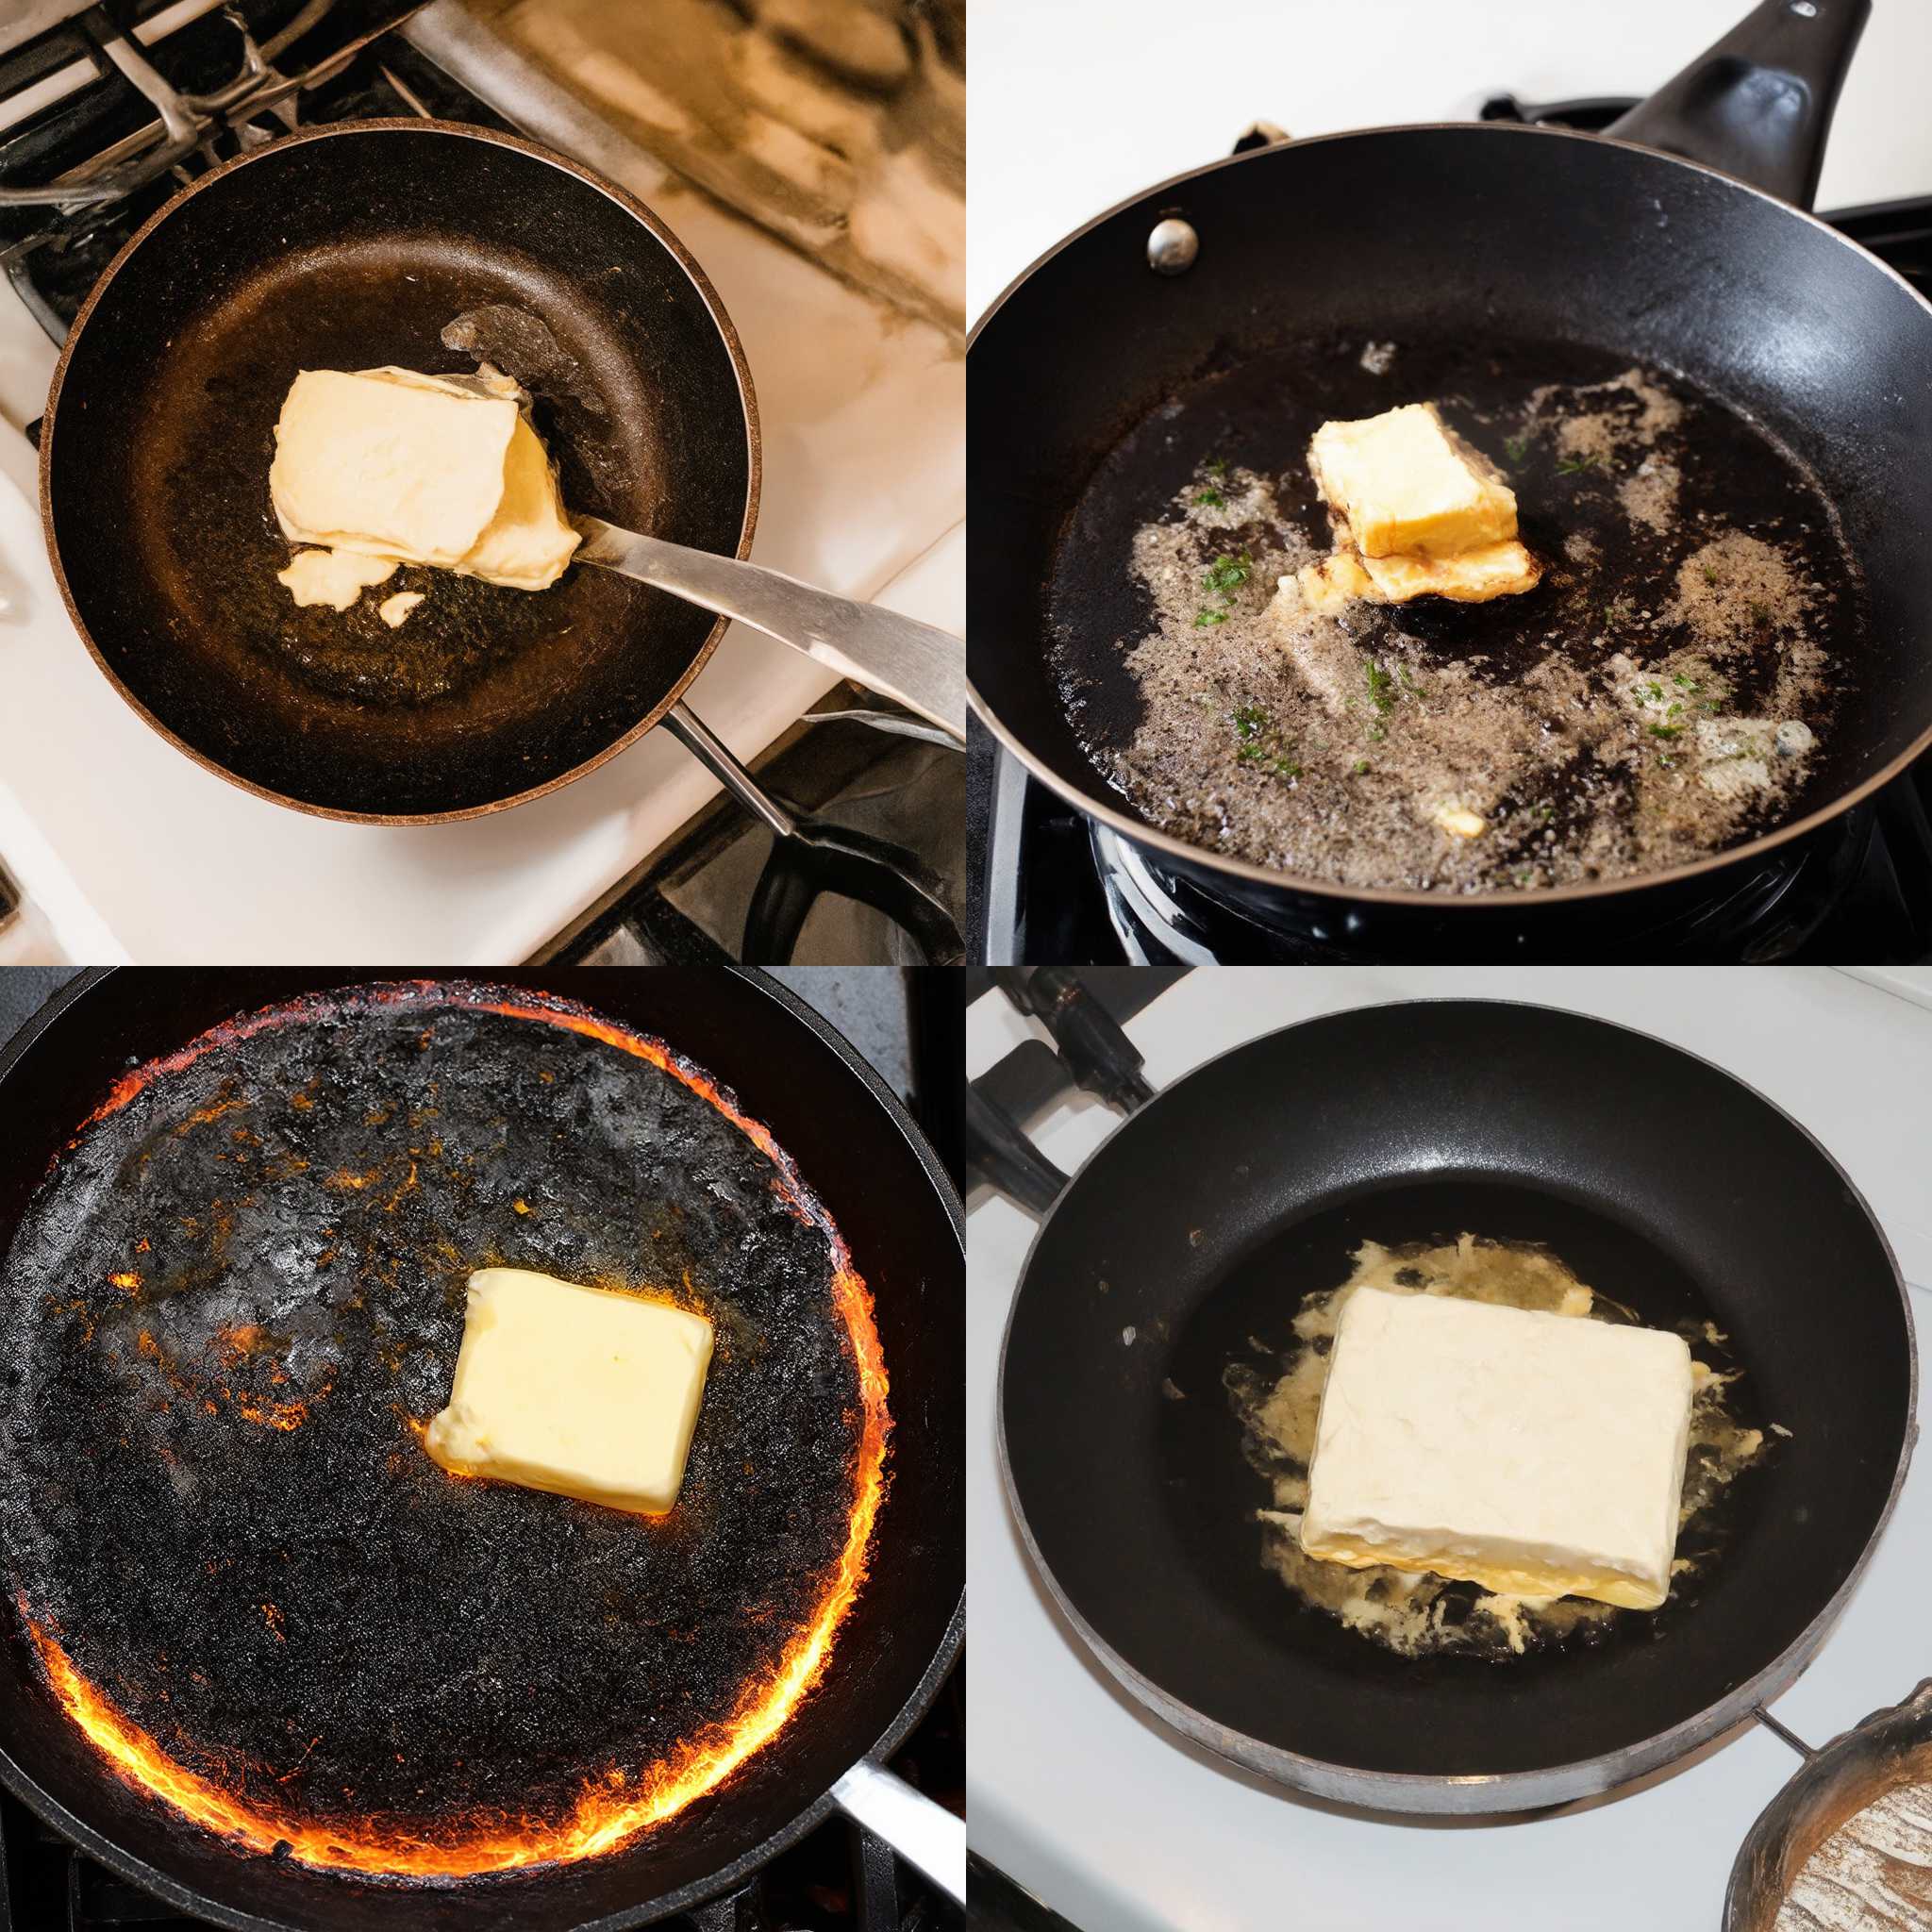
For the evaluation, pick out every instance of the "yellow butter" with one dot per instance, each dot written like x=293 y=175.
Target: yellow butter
x=1471 y=576
x=334 y=577
x=582 y=1392
x=1405 y=484
x=441 y=470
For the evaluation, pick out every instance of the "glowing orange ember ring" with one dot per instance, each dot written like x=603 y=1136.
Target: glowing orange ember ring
x=612 y=1809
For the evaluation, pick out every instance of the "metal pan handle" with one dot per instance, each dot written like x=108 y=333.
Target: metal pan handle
x=1759 y=103
x=924 y=1833
x=810 y=857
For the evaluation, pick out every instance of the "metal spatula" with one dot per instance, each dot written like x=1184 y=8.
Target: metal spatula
x=922 y=667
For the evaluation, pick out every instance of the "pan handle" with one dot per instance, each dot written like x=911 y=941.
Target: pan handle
x=924 y=1833
x=810 y=857
x=1759 y=103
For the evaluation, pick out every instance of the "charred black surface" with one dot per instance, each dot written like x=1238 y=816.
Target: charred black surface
x=211 y=1489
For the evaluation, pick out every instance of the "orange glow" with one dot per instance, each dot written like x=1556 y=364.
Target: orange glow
x=126 y=1278
x=615 y=1805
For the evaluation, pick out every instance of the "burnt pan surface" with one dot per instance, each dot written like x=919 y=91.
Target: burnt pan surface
x=352 y=250
x=238 y=1291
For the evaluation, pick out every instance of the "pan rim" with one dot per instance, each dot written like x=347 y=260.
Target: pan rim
x=502 y=1886
x=1514 y=901
x=1385 y=1794
x=659 y=231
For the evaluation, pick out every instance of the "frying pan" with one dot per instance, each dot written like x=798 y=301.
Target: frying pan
x=1663 y=1182
x=354 y=246
x=857 y=1153
x=1497 y=238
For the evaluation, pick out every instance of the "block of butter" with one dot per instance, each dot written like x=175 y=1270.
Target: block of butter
x=583 y=1391
x=1536 y=1454
x=442 y=470
x=1405 y=484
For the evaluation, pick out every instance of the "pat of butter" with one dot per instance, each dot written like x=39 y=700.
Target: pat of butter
x=1534 y=1454
x=1405 y=484
x=578 y=1391
x=441 y=470
x=1471 y=576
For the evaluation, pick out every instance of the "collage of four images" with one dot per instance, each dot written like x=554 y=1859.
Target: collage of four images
x=841 y=835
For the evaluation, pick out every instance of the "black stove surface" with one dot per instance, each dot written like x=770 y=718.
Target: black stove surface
x=1049 y=886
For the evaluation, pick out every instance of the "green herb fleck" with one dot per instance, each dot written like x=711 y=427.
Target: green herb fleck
x=1210 y=499
x=1546 y=811
x=1666 y=731
x=1361 y=765
x=1378 y=733
x=1650 y=693
x=1596 y=459
x=1217 y=468
x=1760 y=613
x=1516 y=449
x=1685 y=683
x=1206 y=617
x=1227 y=572
x=1250 y=720
x=1379 y=684
x=1708 y=574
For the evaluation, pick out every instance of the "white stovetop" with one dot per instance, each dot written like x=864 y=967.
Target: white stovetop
x=126 y=849
x=1122 y=1826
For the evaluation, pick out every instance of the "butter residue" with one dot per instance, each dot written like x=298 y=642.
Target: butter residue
x=334 y=578
x=438 y=470
x=1419 y=1613
x=394 y=611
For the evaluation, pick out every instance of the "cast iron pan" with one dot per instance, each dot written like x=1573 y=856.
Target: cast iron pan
x=347 y=248
x=212 y=1492
x=1661 y=1181
x=1505 y=241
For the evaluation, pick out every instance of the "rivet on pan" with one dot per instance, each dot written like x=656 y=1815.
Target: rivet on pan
x=1172 y=248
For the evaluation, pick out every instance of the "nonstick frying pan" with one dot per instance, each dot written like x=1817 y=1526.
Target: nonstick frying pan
x=354 y=246
x=1500 y=238
x=857 y=1152
x=1205 y=1219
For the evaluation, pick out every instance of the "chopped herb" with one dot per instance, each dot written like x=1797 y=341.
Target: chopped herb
x=1666 y=731
x=1516 y=448
x=1361 y=765
x=1673 y=708
x=1379 y=684
x=1377 y=732
x=1546 y=811
x=1286 y=768
x=1247 y=754
x=1708 y=574
x=1227 y=572
x=1760 y=613
x=1250 y=720
x=1685 y=683
x=1521 y=875
x=1210 y=499
x=1217 y=468
x=1650 y=693
x=1205 y=617
x=1569 y=466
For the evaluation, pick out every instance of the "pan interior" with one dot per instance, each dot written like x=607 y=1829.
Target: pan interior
x=1173 y=705
x=1211 y=1493
x=238 y=1290
x=1656 y=1177
x=354 y=252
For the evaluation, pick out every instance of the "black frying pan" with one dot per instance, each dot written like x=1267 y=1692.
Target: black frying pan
x=1509 y=241
x=347 y=248
x=242 y=1528
x=1205 y=1219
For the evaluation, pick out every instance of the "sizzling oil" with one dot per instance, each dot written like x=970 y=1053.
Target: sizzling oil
x=1664 y=693
x=1278 y=1403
